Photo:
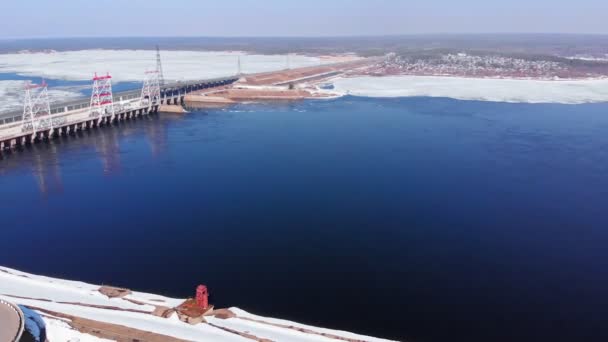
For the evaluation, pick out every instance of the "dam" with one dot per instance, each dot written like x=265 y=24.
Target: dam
x=40 y=121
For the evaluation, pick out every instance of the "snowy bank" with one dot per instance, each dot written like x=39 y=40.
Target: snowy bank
x=63 y=302
x=496 y=90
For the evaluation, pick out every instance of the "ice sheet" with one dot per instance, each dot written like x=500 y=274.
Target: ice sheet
x=130 y=65
x=497 y=90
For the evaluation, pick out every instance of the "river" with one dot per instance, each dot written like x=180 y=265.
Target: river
x=426 y=219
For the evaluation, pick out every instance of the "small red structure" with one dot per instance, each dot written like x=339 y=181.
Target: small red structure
x=193 y=310
x=202 y=297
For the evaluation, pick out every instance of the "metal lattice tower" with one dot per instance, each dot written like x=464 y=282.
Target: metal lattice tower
x=36 y=108
x=150 y=92
x=159 y=67
x=102 y=102
x=239 y=69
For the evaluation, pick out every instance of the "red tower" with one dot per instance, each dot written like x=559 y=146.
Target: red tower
x=202 y=297
x=102 y=100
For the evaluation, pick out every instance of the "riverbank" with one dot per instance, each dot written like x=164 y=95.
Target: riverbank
x=90 y=313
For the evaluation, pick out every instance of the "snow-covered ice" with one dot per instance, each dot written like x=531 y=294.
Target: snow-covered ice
x=11 y=93
x=481 y=89
x=84 y=300
x=130 y=65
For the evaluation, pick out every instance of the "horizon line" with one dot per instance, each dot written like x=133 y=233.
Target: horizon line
x=447 y=34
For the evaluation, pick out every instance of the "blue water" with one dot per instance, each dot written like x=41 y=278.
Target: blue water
x=421 y=219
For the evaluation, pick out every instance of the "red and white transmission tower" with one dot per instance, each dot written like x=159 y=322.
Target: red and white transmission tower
x=36 y=108
x=150 y=92
x=102 y=102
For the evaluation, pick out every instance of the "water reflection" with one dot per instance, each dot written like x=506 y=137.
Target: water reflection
x=44 y=161
x=156 y=135
x=108 y=150
x=46 y=169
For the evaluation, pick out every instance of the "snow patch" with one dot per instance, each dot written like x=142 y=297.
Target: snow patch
x=267 y=328
x=57 y=330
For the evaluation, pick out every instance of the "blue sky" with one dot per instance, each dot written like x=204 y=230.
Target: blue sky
x=60 y=18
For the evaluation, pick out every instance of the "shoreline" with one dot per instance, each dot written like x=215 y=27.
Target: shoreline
x=476 y=89
x=87 y=312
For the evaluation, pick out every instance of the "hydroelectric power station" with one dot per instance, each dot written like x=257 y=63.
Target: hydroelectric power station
x=41 y=121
